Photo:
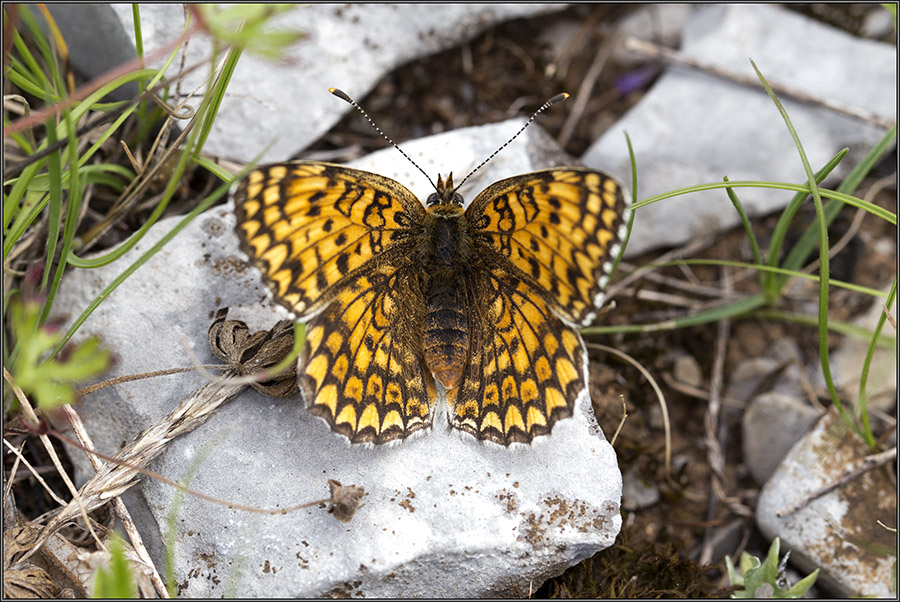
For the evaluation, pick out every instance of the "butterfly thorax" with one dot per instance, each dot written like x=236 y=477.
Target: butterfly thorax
x=444 y=253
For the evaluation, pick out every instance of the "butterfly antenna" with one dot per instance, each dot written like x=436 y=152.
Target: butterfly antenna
x=346 y=98
x=558 y=98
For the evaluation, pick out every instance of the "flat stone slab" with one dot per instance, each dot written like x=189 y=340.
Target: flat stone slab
x=836 y=532
x=348 y=46
x=443 y=515
x=694 y=128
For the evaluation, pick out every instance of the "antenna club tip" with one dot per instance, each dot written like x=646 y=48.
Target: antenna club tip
x=559 y=98
x=340 y=94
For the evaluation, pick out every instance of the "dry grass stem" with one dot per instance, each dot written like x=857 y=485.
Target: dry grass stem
x=688 y=250
x=667 y=298
x=716 y=433
x=121 y=510
x=112 y=479
x=699 y=393
x=850 y=473
x=694 y=286
x=612 y=440
x=587 y=84
x=76 y=504
x=659 y=396
x=19 y=457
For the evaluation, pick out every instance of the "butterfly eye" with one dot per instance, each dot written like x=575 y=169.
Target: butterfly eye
x=457 y=199
x=432 y=199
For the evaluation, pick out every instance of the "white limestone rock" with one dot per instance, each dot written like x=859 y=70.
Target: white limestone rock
x=444 y=515
x=692 y=128
x=837 y=532
x=348 y=46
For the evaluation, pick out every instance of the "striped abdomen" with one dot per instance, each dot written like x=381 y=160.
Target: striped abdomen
x=446 y=340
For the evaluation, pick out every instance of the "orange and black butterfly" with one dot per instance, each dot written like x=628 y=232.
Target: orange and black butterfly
x=408 y=303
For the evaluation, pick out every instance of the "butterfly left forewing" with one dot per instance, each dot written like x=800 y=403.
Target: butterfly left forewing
x=336 y=247
x=308 y=225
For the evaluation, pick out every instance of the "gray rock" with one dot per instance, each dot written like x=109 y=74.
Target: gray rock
x=92 y=52
x=692 y=128
x=444 y=515
x=349 y=46
x=772 y=423
x=751 y=377
x=686 y=370
x=725 y=540
x=637 y=493
x=837 y=532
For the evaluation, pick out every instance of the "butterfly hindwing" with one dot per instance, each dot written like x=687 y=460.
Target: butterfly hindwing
x=526 y=366
x=359 y=369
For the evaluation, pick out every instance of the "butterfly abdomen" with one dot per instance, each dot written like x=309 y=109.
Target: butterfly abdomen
x=446 y=340
x=445 y=254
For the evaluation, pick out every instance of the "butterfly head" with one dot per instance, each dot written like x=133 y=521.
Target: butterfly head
x=446 y=193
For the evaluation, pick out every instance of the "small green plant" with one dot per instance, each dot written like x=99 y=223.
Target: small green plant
x=116 y=580
x=767 y=579
x=49 y=379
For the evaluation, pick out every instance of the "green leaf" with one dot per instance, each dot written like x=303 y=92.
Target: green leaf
x=245 y=26
x=51 y=381
x=766 y=579
x=801 y=587
x=117 y=580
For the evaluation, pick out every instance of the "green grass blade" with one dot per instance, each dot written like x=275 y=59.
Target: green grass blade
x=748 y=228
x=862 y=408
x=764 y=268
x=73 y=208
x=773 y=283
x=634 y=184
x=218 y=94
x=31 y=206
x=885 y=214
x=842 y=328
x=823 y=256
x=807 y=242
x=54 y=201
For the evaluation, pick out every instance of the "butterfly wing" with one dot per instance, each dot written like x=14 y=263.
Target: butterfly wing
x=526 y=366
x=335 y=246
x=308 y=225
x=360 y=366
x=545 y=244
x=560 y=229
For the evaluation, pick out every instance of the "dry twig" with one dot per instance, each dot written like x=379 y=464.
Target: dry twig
x=850 y=473
x=679 y=58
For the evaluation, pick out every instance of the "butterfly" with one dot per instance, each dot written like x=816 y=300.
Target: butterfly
x=408 y=303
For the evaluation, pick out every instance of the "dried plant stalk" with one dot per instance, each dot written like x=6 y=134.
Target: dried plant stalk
x=114 y=478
